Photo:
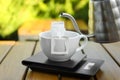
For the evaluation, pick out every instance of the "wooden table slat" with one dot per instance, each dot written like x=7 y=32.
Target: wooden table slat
x=114 y=50
x=11 y=68
x=75 y=78
x=109 y=70
x=38 y=48
x=5 y=46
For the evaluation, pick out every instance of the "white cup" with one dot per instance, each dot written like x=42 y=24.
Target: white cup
x=61 y=49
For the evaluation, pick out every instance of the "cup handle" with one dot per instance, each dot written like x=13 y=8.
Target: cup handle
x=59 y=53
x=84 y=43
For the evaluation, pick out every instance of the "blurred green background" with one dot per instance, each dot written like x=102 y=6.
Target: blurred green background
x=13 y=13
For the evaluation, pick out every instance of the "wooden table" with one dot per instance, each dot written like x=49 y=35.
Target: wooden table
x=12 y=53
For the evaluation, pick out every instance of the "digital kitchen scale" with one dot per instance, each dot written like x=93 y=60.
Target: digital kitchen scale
x=78 y=65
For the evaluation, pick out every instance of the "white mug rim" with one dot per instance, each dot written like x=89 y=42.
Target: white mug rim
x=76 y=35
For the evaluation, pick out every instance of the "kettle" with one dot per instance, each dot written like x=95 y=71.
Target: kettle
x=104 y=20
x=105 y=30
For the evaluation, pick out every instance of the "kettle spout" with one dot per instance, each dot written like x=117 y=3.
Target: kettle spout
x=73 y=21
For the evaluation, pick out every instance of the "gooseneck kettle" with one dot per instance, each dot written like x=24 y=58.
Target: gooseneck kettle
x=103 y=33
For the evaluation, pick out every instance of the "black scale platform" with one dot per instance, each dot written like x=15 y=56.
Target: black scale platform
x=78 y=65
